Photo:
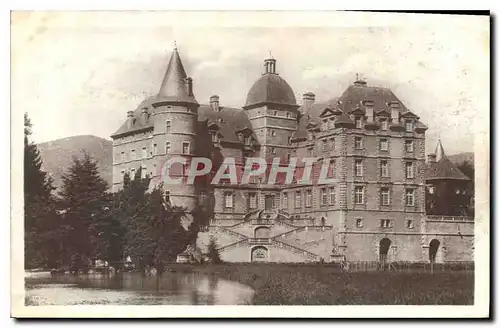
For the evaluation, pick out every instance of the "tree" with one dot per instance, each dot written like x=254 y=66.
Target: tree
x=213 y=252
x=155 y=234
x=114 y=225
x=40 y=217
x=84 y=202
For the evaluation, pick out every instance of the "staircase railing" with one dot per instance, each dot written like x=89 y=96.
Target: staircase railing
x=230 y=232
x=297 y=250
x=237 y=243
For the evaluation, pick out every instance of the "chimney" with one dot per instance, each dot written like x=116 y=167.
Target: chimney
x=307 y=101
x=369 y=110
x=144 y=115
x=189 y=83
x=130 y=119
x=431 y=158
x=214 y=103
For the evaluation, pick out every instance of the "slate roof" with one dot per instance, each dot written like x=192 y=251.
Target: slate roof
x=138 y=124
x=230 y=121
x=356 y=93
x=443 y=168
x=174 y=85
x=270 y=88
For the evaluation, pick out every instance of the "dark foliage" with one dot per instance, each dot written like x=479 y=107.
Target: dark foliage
x=84 y=203
x=40 y=216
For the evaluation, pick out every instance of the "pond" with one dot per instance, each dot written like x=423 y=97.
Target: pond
x=172 y=288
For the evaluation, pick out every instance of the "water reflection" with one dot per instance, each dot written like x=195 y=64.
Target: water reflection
x=136 y=289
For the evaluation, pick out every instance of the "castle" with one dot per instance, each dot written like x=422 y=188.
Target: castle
x=374 y=146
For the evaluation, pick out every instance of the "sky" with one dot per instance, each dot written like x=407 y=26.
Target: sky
x=78 y=73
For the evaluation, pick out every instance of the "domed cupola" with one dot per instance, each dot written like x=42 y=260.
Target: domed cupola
x=270 y=89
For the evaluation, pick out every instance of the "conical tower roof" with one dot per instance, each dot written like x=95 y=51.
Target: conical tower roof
x=443 y=168
x=175 y=82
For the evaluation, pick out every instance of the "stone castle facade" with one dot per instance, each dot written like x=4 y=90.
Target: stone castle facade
x=375 y=150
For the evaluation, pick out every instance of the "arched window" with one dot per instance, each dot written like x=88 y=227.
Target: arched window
x=260 y=254
x=433 y=249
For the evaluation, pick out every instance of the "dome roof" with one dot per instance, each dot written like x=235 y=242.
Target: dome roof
x=270 y=88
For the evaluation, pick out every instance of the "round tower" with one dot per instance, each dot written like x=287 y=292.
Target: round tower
x=175 y=122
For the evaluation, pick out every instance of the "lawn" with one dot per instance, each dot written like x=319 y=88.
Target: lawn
x=322 y=284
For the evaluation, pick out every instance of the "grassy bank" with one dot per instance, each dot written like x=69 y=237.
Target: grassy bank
x=323 y=284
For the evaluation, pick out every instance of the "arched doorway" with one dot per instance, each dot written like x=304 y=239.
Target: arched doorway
x=385 y=244
x=262 y=232
x=259 y=254
x=433 y=249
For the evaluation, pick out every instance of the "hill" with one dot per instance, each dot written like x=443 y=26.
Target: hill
x=58 y=155
x=461 y=157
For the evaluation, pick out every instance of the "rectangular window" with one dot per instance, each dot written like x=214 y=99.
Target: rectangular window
x=324 y=197
x=384 y=169
x=385 y=196
x=273 y=133
x=359 y=223
x=410 y=197
x=384 y=144
x=167 y=196
x=325 y=145
x=332 y=143
x=358 y=168
x=144 y=172
x=384 y=124
x=287 y=115
x=310 y=151
x=386 y=223
x=332 y=195
x=123 y=174
x=252 y=200
x=285 y=200
x=331 y=169
x=359 y=122
x=272 y=150
x=409 y=146
x=324 y=126
x=409 y=170
x=167 y=126
x=167 y=147
x=132 y=154
x=144 y=152
x=408 y=125
x=155 y=149
x=410 y=224
x=359 y=196
x=185 y=148
x=309 y=197
x=228 y=200
x=122 y=156
x=298 y=199
x=132 y=174
x=358 y=143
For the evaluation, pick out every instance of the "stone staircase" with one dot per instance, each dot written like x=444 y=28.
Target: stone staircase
x=278 y=242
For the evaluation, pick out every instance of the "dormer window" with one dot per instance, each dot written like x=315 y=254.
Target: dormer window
x=408 y=125
x=358 y=122
x=384 y=124
x=215 y=137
